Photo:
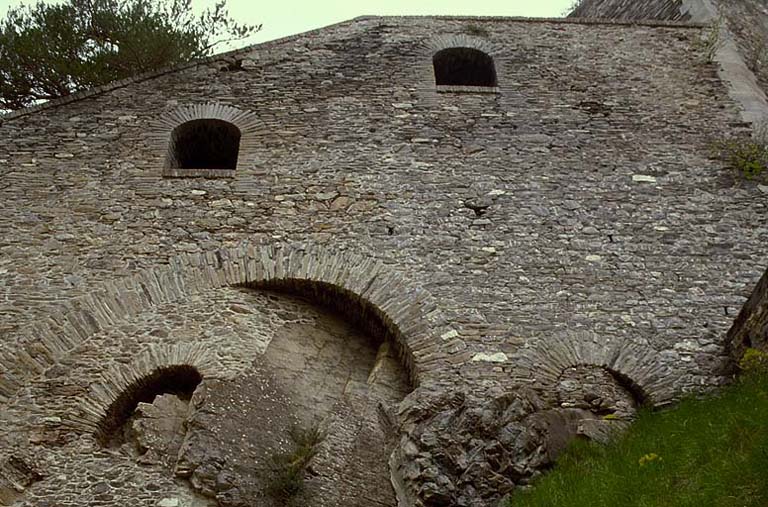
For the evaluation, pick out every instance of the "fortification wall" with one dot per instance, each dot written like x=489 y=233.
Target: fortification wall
x=569 y=217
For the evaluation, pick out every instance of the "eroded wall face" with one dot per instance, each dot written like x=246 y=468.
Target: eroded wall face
x=285 y=366
x=580 y=198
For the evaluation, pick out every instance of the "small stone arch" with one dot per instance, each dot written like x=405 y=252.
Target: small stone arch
x=464 y=67
x=159 y=369
x=204 y=140
x=635 y=366
x=466 y=48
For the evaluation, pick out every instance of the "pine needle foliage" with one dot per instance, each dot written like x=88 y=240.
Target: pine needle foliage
x=51 y=50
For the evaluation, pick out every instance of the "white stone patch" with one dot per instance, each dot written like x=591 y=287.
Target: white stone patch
x=497 y=357
x=628 y=320
x=169 y=502
x=497 y=192
x=688 y=346
x=63 y=155
x=198 y=192
x=593 y=258
x=403 y=105
x=449 y=334
x=488 y=249
x=643 y=178
x=763 y=188
x=660 y=228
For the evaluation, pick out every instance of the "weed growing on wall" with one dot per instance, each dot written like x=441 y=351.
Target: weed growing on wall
x=748 y=156
x=285 y=483
x=754 y=362
x=711 y=40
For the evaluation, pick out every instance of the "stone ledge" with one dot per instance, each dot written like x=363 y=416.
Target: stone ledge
x=198 y=173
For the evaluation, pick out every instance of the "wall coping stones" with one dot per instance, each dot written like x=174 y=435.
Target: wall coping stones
x=409 y=311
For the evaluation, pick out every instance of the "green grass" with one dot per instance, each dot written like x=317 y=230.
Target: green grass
x=709 y=453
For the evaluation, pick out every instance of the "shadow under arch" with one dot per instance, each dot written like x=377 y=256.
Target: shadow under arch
x=180 y=380
x=358 y=310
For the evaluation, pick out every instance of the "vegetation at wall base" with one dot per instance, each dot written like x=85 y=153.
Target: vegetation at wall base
x=748 y=156
x=710 y=452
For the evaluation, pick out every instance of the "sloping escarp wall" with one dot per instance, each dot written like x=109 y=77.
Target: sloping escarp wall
x=630 y=9
x=738 y=32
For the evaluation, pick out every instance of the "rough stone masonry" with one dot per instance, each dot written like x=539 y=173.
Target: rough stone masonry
x=312 y=246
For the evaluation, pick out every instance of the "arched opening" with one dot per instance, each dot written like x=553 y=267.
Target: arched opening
x=179 y=380
x=205 y=144
x=354 y=309
x=600 y=390
x=463 y=66
x=328 y=363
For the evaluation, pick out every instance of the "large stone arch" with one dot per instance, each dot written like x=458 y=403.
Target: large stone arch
x=409 y=312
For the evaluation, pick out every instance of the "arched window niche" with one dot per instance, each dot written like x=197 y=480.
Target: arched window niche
x=204 y=147
x=464 y=69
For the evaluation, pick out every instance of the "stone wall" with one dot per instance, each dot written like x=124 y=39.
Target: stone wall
x=569 y=218
x=737 y=34
x=631 y=9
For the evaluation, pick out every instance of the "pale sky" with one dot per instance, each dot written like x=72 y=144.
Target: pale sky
x=286 y=17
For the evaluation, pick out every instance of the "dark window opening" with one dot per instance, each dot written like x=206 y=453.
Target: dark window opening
x=464 y=67
x=206 y=144
x=181 y=380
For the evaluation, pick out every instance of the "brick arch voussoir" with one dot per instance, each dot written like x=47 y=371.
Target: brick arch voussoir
x=160 y=129
x=441 y=42
x=541 y=362
x=408 y=311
